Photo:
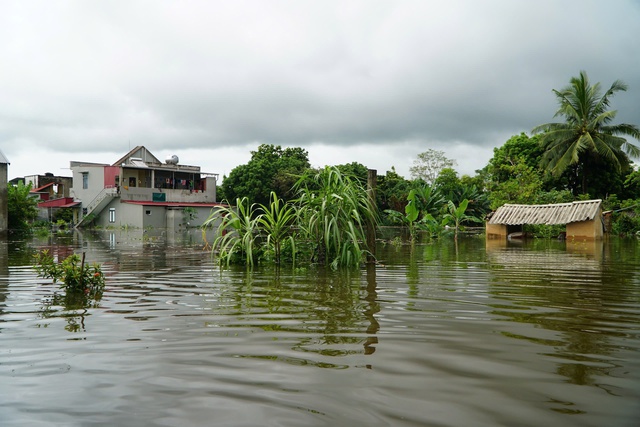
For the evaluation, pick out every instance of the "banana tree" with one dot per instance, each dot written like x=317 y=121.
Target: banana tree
x=457 y=215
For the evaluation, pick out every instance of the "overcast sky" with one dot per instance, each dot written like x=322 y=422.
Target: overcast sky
x=374 y=82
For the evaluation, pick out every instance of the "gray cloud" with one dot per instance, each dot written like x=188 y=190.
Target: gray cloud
x=93 y=77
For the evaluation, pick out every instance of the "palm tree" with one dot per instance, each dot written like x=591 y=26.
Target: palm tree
x=586 y=135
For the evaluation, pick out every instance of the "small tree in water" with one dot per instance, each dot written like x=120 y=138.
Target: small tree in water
x=73 y=274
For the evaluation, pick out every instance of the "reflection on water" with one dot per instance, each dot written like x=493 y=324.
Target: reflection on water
x=473 y=333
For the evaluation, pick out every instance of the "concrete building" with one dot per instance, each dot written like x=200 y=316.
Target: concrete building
x=583 y=219
x=4 y=197
x=140 y=191
x=49 y=186
x=52 y=193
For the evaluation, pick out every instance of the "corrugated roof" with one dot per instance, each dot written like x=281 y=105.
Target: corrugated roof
x=560 y=213
x=3 y=159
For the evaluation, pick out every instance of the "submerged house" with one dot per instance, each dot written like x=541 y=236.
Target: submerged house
x=140 y=191
x=583 y=219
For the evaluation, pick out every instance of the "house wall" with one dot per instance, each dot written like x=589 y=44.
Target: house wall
x=211 y=186
x=110 y=173
x=585 y=230
x=176 y=218
x=4 y=197
x=179 y=196
x=202 y=216
x=134 y=178
x=95 y=182
x=127 y=215
x=154 y=216
x=496 y=231
x=135 y=216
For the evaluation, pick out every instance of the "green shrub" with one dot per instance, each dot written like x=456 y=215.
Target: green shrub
x=73 y=274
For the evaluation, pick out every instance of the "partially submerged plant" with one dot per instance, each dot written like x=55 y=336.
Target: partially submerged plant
x=73 y=274
x=327 y=222
x=277 y=222
x=334 y=211
x=237 y=233
x=457 y=215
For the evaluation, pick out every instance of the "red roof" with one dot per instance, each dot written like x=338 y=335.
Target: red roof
x=62 y=202
x=39 y=189
x=174 y=204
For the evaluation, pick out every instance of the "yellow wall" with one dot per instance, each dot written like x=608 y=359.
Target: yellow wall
x=496 y=231
x=585 y=230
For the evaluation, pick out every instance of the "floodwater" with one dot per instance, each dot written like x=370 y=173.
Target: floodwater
x=528 y=334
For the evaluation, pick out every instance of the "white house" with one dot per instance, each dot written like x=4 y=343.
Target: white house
x=140 y=191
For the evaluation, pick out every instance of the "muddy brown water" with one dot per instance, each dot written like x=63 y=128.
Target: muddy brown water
x=539 y=333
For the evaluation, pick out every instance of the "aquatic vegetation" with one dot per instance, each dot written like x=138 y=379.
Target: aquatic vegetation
x=326 y=224
x=72 y=273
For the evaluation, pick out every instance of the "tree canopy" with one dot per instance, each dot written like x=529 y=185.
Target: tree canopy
x=429 y=164
x=271 y=168
x=586 y=139
x=22 y=208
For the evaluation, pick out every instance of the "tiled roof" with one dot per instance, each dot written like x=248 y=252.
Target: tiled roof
x=561 y=213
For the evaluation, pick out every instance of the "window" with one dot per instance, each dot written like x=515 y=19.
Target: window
x=112 y=214
x=85 y=180
x=148 y=212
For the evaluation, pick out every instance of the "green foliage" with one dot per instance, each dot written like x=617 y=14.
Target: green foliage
x=429 y=199
x=458 y=189
x=356 y=171
x=519 y=149
x=271 y=168
x=625 y=216
x=334 y=211
x=523 y=187
x=586 y=137
x=22 y=208
x=544 y=231
x=329 y=218
x=448 y=183
x=429 y=165
x=73 y=274
x=626 y=223
x=277 y=220
x=596 y=176
x=515 y=175
x=391 y=192
x=432 y=226
x=411 y=213
x=63 y=214
x=457 y=215
x=632 y=185
x=237 y=233
x=422 y=212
